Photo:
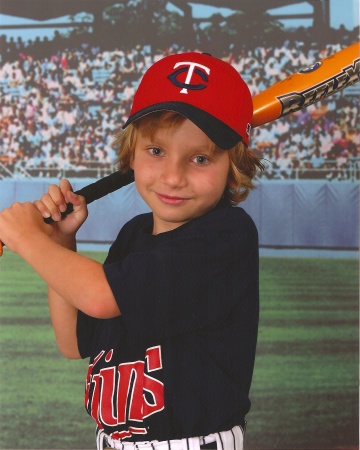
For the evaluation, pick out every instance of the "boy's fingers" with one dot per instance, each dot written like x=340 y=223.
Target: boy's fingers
x=58 y=201
x=57 y=197
x=51 y=205
x=65 y=186
x=42 y=208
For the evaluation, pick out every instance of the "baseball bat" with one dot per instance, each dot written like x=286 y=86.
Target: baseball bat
x=300 y=90
x=308 y=86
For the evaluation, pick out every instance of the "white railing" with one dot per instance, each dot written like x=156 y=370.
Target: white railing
x=93 y=169
x=330 y=170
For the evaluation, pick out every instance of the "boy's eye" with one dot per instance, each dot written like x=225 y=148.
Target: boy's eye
x=155 y=151
x=200 y=159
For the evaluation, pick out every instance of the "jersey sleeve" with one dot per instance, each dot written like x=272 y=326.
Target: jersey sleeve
x=191 y=281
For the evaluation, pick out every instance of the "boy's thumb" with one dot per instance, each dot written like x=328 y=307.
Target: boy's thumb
x=75 y=199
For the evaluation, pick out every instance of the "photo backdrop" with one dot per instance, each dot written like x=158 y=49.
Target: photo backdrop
x=305 y=389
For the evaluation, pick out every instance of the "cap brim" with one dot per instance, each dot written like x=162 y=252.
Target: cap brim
x=221 y=134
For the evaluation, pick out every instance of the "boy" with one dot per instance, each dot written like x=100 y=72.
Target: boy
x=169 y=322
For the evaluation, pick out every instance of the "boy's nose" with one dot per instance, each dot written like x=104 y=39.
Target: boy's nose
x=173 y=174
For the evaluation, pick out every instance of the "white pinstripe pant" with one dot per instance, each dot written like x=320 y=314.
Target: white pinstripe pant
x=225 y=440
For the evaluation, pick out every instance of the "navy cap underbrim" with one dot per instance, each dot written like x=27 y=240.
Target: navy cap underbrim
x=220 y=133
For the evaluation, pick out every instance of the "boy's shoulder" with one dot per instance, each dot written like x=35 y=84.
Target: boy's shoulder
x=127 y=234
x=223 y=225
x=228 y=216
x=138 y=221
x=223 y=218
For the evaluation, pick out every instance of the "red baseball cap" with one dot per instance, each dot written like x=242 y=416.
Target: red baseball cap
x=206 y=90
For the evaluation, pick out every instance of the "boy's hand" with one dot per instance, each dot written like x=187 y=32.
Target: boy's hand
x=20 y=225
x=54 y=202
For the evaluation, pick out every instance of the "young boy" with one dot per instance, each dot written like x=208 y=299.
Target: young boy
x=170 y=320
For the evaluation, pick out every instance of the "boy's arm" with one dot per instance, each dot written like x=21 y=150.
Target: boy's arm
x=64 y=322
x=64 y=316
x=80 y=281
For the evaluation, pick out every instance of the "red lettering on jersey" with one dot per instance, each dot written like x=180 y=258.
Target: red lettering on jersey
x=130 y=388
x=153 y=358
x=88 y=379
x=154 y=387
x=116 y=396
x=136 y=430
x=109 y=356
x=121 y=434
x=128 y=433
x=95 y=398
x=106 y=409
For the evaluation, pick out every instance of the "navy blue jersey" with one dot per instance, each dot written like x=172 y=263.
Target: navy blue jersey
x=178 y=362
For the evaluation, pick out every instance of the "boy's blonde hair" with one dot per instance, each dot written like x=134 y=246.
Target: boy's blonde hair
x=244 y=165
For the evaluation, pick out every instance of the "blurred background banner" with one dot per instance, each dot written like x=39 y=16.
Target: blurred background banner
x=68 y=73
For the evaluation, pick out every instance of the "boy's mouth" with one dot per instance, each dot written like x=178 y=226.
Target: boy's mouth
x=170 y=200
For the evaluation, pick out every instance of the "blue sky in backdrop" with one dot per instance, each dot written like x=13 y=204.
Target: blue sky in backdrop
x=342 y=12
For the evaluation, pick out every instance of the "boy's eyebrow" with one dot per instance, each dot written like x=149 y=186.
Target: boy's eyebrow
x=152 y=140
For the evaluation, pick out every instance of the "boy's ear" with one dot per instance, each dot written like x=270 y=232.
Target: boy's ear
x=231 y=183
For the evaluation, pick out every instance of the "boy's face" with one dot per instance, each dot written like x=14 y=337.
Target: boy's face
x=177 y=175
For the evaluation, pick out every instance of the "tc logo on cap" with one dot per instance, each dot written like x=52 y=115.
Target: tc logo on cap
x=192 y=67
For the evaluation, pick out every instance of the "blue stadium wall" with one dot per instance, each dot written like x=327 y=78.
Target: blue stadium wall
x=311 y=214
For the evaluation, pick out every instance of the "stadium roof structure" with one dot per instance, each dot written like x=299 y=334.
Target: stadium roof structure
x=43 y=10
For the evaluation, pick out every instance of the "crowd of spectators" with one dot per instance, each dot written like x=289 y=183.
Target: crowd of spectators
x=58 y=113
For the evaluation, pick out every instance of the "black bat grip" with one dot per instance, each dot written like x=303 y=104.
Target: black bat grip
x=99 y=189
x=96 y=190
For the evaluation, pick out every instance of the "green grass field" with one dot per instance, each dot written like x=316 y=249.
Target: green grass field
x=305 y=387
